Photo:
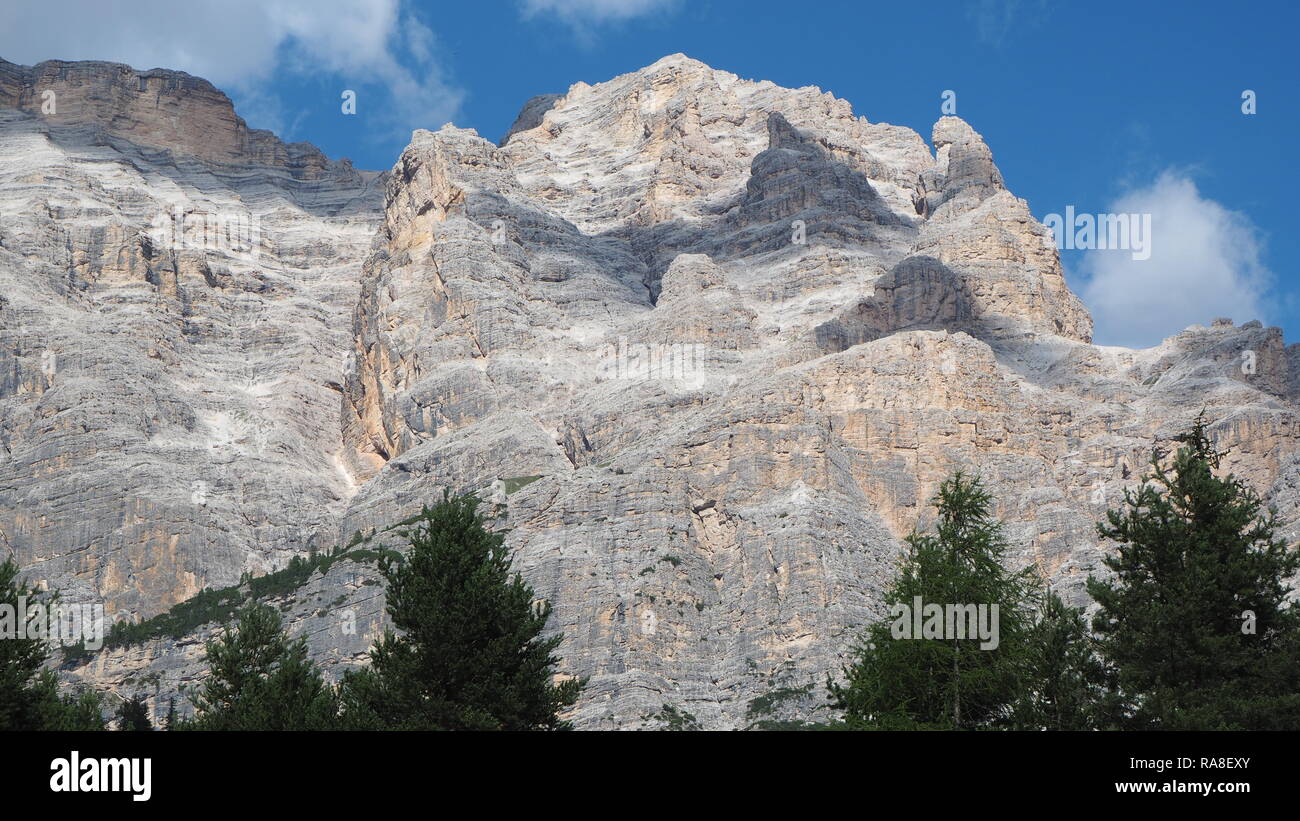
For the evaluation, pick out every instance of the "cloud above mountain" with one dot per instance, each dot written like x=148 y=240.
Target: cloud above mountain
x=1205 y=262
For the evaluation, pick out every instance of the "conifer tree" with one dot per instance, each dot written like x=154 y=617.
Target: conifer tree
x=259 y=679
x=469 y=653
x=1195 y=619
x=29 y=693
x=133 y=715
x=921 y=682
x=1065 y=685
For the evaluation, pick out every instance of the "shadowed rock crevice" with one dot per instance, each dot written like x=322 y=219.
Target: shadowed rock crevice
x=918 y=293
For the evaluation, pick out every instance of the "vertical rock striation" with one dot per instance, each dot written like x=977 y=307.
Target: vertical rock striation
x=706 y=346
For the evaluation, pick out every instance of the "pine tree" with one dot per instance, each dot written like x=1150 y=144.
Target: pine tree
x=29 y=694
x=469 y=655
x=21 y=684
x=1195 y=620
x=1065 y=685
x=133 y=715
x=944 y=681
x=80 y=710
x=261 y=680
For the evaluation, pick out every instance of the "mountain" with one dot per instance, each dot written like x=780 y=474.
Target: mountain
x=704 y=345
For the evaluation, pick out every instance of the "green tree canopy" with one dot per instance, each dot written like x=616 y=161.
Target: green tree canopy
x=1066 y=686
x=29 y=692
x=133 y=715
x=468 y=654
x=944 y=682
x=259 y=679
x=1195 y=619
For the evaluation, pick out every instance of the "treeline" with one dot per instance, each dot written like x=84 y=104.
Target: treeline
x=1192 y=629
x=209 y=606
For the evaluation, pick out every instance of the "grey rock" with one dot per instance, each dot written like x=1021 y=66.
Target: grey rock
x=705 y=346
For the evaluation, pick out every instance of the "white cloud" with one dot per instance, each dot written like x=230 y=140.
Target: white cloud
x=1205 y=262
x=582 y=14
x=241 y=46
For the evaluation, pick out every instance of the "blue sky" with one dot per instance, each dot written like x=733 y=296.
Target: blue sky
x=1103 y=106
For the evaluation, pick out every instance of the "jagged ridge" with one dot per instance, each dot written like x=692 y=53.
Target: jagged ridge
x=733 y=429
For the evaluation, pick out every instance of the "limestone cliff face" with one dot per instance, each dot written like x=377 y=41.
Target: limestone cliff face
x=157 y=109
x=705 y=345
x=174 y=302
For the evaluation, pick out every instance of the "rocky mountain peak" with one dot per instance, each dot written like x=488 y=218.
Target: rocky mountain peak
x=157 y=108
x=963 y=164
x=705 y=345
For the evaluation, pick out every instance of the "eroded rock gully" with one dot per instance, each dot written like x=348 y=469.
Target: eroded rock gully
x=707 y=428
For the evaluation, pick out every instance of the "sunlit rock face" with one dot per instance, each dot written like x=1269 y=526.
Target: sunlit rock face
x=175 y=300
x=705 y=346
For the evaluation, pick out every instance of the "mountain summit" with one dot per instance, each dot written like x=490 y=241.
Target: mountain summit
x=705 y=345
